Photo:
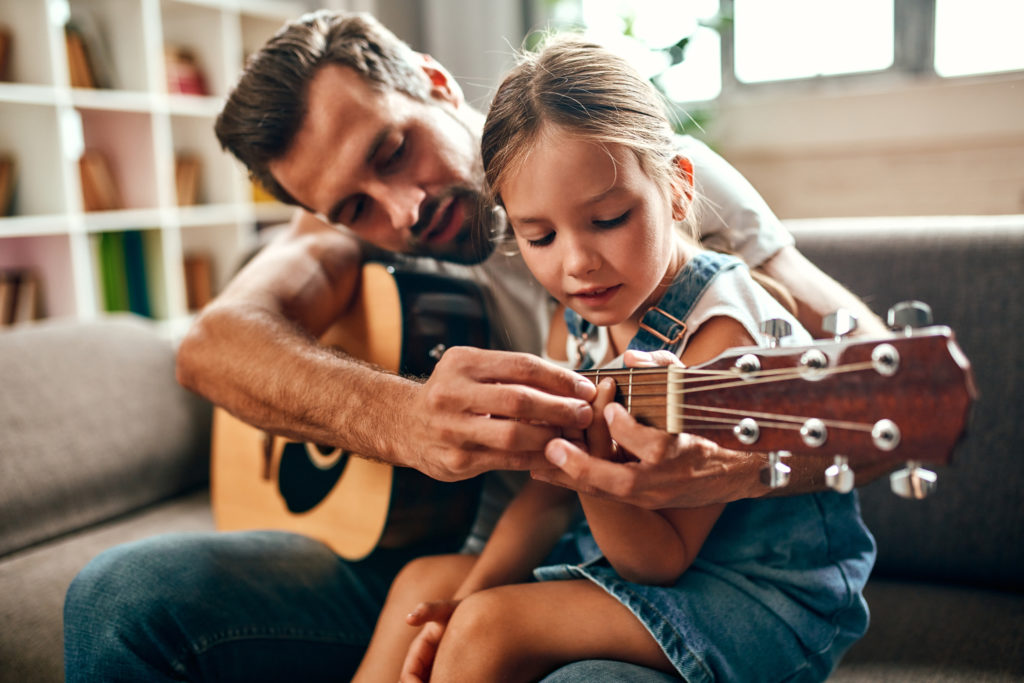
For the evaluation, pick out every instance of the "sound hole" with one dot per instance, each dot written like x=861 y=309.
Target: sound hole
x=304 y=482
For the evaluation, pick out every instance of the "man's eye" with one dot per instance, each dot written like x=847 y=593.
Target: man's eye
x=353 y=210
x=543 y=241
x=612 y=222
x=392 y=159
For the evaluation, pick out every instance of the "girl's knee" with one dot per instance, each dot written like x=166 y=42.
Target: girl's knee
x=478 y=641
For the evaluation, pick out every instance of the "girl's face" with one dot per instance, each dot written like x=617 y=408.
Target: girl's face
x=593 y=228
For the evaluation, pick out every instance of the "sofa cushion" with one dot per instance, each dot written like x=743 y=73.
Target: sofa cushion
x=33 y=583
x=93 y=425
x=970 y=271
x=936 y=633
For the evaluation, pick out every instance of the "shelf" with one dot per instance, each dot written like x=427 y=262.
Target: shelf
x=140 y=126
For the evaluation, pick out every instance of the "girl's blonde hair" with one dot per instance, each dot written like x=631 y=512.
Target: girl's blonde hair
x=586 y=90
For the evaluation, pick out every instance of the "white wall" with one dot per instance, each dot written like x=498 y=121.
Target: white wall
x=475 y=40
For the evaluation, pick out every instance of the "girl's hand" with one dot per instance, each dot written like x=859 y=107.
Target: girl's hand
x=439 y=611
x=653 y=359
x=598 y=440
x=419 y=660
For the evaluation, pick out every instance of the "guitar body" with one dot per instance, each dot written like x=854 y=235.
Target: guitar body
x=402 y=321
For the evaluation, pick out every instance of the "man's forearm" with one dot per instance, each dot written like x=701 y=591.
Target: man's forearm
x=817 y=294
x=269 y=373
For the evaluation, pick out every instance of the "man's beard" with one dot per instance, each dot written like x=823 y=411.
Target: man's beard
x=473 y=242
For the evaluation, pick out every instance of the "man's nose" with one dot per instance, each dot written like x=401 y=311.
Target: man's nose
x=401 y=204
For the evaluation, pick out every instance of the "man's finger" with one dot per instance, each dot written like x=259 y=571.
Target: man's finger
x=585 y=473
x=504 y=367
x=528 y=404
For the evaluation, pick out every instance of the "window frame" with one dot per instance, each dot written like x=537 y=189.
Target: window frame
x=913 y=56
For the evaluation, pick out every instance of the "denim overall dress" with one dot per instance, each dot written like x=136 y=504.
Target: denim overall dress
x=775 y=593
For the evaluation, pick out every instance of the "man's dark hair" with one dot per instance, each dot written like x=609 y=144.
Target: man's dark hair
x=266 y=108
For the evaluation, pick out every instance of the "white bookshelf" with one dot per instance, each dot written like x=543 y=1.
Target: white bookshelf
x=140 y=128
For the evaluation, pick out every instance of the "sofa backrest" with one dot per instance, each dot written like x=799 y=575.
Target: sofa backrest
x=93 y=425
x=970 y=270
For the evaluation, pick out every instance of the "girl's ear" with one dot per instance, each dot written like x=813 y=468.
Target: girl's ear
x=682 y=188
x=442 y=85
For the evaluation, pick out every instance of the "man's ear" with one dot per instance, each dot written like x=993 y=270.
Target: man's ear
x=682 y=188
x=442 y=85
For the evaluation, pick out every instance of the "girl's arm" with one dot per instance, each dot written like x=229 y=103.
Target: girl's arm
x=656 y=546
x=525 y=533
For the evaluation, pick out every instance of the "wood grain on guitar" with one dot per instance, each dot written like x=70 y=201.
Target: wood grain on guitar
x=401 y=322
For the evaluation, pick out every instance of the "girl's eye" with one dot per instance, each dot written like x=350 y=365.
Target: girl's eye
x=612 y=222
x=543 y=241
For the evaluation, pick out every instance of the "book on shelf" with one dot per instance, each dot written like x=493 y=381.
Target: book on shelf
x=198 y=280
x=113 y=276
x=7 y=172
x=99 y=190
x=186 y=178
x=261 y=194
x=20 y=299
x=6 y=37
x=79 y=69
x=135 y=273
x=184 y=75
x=124 y=280
x=89 y=60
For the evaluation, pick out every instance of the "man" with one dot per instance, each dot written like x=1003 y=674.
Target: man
x=337 y=116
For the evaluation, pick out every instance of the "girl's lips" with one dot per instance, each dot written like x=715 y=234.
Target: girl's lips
x=597 y=296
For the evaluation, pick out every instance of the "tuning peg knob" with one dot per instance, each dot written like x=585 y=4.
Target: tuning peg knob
x=774 y=330
x=908 y=315
x=839 y=476
x=913 y=481
x=840 y=323
x=776 y=474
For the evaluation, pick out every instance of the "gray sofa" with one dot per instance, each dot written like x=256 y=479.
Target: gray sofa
x=99 y=445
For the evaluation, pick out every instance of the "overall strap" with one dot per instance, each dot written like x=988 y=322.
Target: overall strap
x=662 y=326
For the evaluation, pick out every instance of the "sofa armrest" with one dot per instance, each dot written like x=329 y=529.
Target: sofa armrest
x=93 y=425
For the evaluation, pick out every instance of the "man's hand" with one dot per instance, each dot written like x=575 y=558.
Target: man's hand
x=484 y=410
x=670 y=470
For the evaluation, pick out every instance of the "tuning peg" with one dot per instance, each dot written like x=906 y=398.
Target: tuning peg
x=913 y=481
x=839 y=476
x=776 y=474
x=774 y=330
x=840 y=323
x=908 y=315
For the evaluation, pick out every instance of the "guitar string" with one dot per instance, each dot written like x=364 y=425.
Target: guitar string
x=717 y=380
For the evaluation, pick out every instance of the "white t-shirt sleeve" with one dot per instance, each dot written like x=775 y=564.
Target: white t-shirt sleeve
x=733 y=216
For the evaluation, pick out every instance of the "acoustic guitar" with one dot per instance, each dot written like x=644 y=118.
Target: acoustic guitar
x=900 y=398
x=402 y=321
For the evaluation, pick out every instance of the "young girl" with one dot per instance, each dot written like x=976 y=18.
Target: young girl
x=578 y=151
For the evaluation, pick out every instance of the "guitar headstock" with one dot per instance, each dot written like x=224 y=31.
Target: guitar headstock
x=904 y=398
x=899 y=398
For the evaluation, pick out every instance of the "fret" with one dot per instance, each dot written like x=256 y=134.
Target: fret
x=629 y=395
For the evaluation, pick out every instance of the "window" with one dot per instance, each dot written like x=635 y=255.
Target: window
x=978 y=36
x=772 y=41
x=785 y=39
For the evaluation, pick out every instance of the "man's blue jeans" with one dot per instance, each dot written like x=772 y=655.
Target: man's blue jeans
x=252 y=606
